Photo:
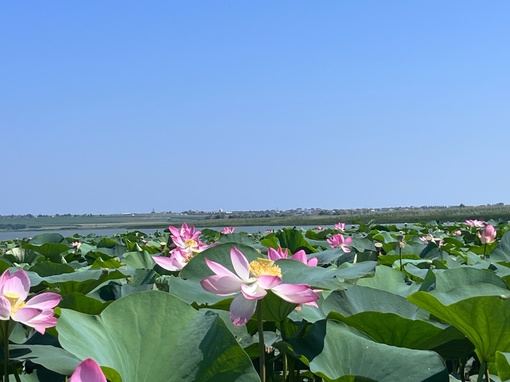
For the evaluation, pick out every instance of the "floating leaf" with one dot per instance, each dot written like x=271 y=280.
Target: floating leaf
x=161 y=339
x=481 y=311
x=388 y=318
x=46 y=238
x=295 y=272
x=503 y=365
x=339 y=353
x=390 y=280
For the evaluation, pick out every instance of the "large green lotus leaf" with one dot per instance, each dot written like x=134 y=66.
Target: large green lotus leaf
x=115 y=290
x=107 y=242
x=83 y=281
x=339 y=353
x=270 y=241
x=384 y=237
x=82 y=303
x=197 y=269
x=111 y=247
x=417 y=270
x=295 y=272
x=238 y=238
x=503 y=365
x=388 y=318
x=138 y=260
x=390 y=280
x=502 y=250
x=20 y=255
x=86 y=248
x=390 y=259
x=453 y=278
x=51 y=357
x=329 y=255
x=191 y=291
x=57 y=363
x=275 y=309
x=481 y=311
x=294 y=240
x=308 y=313
x=362 y=244
x=483 y=249
x=52 y=251
x=111 y=263
x=47 y=238
x=155 y=336
x=47 y=268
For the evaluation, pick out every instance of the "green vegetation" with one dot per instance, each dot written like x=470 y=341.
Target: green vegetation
x=256 y=218
x=425 y=302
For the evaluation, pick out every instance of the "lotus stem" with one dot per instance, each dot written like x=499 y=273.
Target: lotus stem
x=7 y=328
x=6 y=350
x=283 y=330
x=285 y=366
x=262 y=345
x=483 y=371
x=400 y=239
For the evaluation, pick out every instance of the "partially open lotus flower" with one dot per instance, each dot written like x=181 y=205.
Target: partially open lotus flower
x=280 y=253
x=475 y=223
x=488 y=235
x=36 y=312
x=88 y=371
x=227 y=230
x=340 y=226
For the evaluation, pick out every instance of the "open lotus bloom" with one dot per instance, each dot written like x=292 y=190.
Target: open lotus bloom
x=188 y=245
x=475 y=223
x=88 y=371
x=36 y=312
x=340 y=226
x=488 y=235
x=227 y=230
x=338 y=241
x=280 y=253
x=250 y=283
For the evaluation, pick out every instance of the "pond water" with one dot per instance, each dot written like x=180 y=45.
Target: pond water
x=10 y=235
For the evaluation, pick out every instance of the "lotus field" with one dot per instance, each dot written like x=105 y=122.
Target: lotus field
x=422 y=302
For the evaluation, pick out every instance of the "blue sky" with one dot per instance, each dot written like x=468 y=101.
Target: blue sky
x=129 y=106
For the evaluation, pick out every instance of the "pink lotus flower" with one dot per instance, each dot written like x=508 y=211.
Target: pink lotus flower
x=429 y=238
x=36 y=313
x=457 y=233
x=188 y=245
x=338 y=241
x=277 y=254
x=488 y=235
x=251 y=283
x=475 y=223
x=88 y=371
x=340 y=226
x=227 y=230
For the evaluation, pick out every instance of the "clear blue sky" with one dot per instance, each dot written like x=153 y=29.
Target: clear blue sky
x=129 y=106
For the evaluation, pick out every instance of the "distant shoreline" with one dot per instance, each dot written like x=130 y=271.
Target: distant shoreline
x=263 y=218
